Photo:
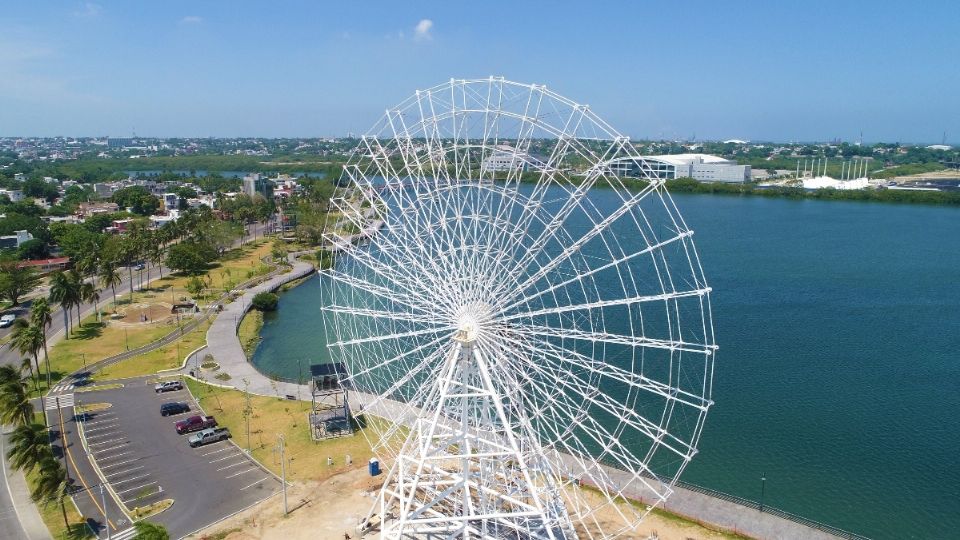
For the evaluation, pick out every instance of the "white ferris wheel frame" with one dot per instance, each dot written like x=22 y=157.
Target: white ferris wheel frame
x=443 y=353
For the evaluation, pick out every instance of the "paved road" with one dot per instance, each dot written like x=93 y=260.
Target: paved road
x=10 y=527
x=55 y=332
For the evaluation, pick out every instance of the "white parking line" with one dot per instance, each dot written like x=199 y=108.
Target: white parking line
x=133 y=488
x=113 y=456
x=242 y=472
x=108 y=441
x=117 y=464
x=101 y=428
x=125 y=471
x=216 y=451
x=223 y=458
x=260 y=481
x=104 y=434
x=141 y=477
x=234 y=464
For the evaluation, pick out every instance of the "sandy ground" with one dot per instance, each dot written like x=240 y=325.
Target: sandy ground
x=138 y=314
x=328 y=510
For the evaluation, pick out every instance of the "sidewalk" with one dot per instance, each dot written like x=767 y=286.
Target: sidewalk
x=22 y=508
x=224 y=345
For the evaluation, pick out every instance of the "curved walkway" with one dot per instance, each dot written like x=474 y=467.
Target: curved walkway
x=224 y=344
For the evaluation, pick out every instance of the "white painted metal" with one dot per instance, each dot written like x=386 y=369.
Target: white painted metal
x=517 y=321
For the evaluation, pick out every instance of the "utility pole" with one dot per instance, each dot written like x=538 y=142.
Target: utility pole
x=283 y=475
x=106 y=521
x=63 y=438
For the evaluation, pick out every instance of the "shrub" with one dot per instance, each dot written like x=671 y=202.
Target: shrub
x=265 y=301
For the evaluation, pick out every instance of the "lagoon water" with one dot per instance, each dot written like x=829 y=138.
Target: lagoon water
x=838 y=376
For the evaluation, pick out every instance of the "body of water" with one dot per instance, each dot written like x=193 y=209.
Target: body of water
x=838 y=376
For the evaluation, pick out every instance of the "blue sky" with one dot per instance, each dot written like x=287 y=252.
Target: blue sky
x=752 y=70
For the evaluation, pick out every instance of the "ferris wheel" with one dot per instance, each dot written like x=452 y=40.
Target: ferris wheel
x=527 y=330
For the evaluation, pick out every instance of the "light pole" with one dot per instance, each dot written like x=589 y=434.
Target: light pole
x=763 y=487
x=283 y=475
x=106 y=521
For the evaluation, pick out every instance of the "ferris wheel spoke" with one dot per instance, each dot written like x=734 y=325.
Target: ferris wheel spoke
x=383 y=293
x=617 y=339
x=579 y=277
x=382 y=314
x=641 y=299
x=398 y=335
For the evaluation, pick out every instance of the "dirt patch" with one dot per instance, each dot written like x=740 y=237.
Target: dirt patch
x=145 y=313
x=328 y=509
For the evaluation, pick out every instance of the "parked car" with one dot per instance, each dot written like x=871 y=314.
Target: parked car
x=168 y=386
x=174 y=407
x=195 y=423
x=207 y=436
x=7 y=320
x=139 y=266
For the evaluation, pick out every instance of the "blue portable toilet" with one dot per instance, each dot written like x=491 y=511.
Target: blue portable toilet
x=374 y=466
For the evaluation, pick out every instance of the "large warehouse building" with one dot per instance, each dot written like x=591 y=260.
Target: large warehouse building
x=702 y=167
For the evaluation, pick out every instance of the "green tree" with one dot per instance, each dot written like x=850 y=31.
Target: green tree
x=15 y=282
x=137 y=199
x=65 y=290
x=195 y=286
x=27 y=339
x=265 y=301
x=189 y=257
x=150 y=531
x=52 y=485
x=109 y=276
x=33 y=249
x=15 y=405
x=29 y=446
x=42 y=317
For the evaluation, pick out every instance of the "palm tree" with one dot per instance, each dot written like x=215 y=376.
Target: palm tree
x=88 y=293
x=52 y=485
x=60 y=292
x=76 y=292
x=27 y=339
x=29 y=446
x=40 y=316
x=15 y=405
x=110 y=277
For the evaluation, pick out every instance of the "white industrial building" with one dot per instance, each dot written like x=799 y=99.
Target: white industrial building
x=507 y=158
x=702 y=167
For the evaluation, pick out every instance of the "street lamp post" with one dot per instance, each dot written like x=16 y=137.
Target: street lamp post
x=763 y=488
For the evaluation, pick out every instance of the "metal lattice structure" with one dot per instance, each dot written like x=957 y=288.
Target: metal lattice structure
x=528 y=334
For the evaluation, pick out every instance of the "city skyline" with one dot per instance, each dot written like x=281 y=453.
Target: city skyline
x=755 y=72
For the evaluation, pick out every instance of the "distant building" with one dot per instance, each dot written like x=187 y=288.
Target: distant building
x=507 y=158
x=119 y=142
x=87 y=209
x=171 y=201
x=46 y=265
x=15 y=195
x=119 y=226
x=939 y=147
x=103 y=190
x=701 y=167
x=20 y=177
x=14 y=240
x=254 y=184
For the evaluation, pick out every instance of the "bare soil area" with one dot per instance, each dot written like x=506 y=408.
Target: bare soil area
x=329 y=510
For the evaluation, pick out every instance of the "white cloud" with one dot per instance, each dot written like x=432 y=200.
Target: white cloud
x=89 y=9
x=421 y=32
x=191 y=19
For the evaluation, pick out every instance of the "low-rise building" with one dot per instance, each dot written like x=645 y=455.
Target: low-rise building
x=14 y=240
x=702 y=167
x=15 y=195
x=46 y=265
x=87 y=209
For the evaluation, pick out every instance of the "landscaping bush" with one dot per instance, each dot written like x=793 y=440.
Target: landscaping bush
x=265 y=301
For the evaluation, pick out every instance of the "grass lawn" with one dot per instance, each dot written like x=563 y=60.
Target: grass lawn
x=239 y=265
x=52 y=516
x=307 y=460
x=249 y=331
x=166 y=357
x=95 y=341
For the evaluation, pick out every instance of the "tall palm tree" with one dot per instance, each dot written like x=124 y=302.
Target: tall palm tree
x=29 y=446
x=88 y=293
x=15 y=405
x=40 y=316
x=52 y=485
x=76 y=292
x=27 y=339
x=110 y=277
x=60 y=293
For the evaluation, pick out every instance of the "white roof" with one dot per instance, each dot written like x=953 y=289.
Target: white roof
x=684 y=159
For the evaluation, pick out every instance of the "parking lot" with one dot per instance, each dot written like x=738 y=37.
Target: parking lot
x=144 y=460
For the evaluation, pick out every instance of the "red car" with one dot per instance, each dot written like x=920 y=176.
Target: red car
x=195 y=423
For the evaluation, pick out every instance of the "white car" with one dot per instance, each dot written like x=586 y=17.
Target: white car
x=7 y=320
